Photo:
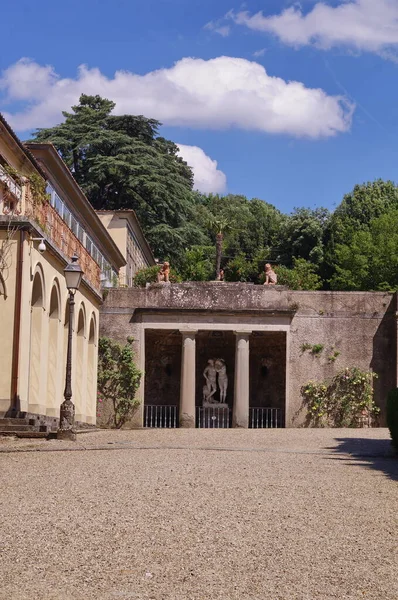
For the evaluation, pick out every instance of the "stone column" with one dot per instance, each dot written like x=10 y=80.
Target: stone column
x=240 y=414
x=187 y=389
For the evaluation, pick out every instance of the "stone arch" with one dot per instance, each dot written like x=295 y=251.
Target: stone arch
x=54 y=345
x=80 y=362
x=36 y=340
x=91 y=379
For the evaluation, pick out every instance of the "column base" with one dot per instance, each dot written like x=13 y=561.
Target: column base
x=240 y=423
x=187 y=421
x=66 y=434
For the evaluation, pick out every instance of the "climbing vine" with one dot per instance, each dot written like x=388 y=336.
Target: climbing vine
x=118 y=379
x=345 y=401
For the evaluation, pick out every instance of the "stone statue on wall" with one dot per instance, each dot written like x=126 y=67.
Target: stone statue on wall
x=164 y=273
x=210 y=374
x=271 y=277
x=215 y=372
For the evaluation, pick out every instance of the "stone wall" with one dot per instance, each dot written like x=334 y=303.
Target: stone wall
x=360 y=326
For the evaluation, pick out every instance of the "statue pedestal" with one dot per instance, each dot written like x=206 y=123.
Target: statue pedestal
x=217 y=405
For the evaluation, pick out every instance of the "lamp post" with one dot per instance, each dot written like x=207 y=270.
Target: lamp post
x=73 y=276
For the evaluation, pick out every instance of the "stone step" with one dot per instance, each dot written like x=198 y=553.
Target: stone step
x=18 y=427
x=24 y=434
x=12 y=421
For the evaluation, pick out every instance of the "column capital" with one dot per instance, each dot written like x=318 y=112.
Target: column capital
x=245 y=332
x=188 y=331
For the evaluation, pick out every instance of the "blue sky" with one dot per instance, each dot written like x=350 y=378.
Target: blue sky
x=301 y=108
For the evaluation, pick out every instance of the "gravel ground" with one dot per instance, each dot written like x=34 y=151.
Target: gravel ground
x=200 y=515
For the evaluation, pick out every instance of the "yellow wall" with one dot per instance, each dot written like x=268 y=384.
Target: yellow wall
x=117 y=229
x=42 y=356
x=7 y=322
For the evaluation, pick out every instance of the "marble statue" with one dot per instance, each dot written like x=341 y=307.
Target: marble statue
x=221 y=369
x=271 y=277
x=215 y=372
x=210 y=374
x=164 y=273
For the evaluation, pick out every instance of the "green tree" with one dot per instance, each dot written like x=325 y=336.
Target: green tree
x=120 y=162
x=197 y=263
x=302 y=235
x=369 y=261
x=303 y=275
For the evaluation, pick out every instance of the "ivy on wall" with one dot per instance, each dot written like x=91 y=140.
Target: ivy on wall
x=344 y=401
x=118 y=379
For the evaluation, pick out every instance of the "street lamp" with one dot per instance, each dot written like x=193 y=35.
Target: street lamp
x=73 y=276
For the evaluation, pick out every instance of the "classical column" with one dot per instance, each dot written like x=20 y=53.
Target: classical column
x=187 y=390
x=240 y=414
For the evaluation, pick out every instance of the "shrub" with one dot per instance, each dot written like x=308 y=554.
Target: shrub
x=346 y=401
x=392 y=416
x=303 y=276
x=118 y=378
x=150 y=275
x=147 y=275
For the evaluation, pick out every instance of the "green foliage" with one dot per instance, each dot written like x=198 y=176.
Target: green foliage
x=392 y=416
x=38 y=188
x=238 y=269
x=333 y=357
x=197 y=264
x=302 y=276
x=147 y=275
x=118 y=378
x=150 y=275
x=317 y=349
x=305 y=347
x=345 y=401
x=121 y=163
x=369 y=261
x=302 y=235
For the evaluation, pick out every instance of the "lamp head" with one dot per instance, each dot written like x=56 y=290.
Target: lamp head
x=73 y=274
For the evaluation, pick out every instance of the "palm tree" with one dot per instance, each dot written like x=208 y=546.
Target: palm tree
x=220 y=226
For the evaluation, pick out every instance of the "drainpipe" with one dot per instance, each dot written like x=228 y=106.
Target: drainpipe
x=17 y=325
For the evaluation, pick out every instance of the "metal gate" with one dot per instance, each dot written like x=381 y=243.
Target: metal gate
x=213 y=417
x=265 y=418
x=162 y=417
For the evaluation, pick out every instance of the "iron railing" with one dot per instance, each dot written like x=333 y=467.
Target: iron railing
x=265 y=418
x=162 y=417
x=213 y=417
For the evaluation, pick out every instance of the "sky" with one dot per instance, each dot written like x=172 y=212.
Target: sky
x=290 y=102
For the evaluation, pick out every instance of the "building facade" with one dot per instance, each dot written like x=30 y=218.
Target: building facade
x=124 y=228
x=260 y=337
x=40 y=202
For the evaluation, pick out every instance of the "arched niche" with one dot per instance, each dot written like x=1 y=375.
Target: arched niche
x=36 y=339
x=91 y=393
x=54 y=362
x=80 y=359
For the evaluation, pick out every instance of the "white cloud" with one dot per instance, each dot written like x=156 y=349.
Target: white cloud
x=368 y=25
x=207 y=178
x=221 y=93
x=259 y=53
x=218 y=27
